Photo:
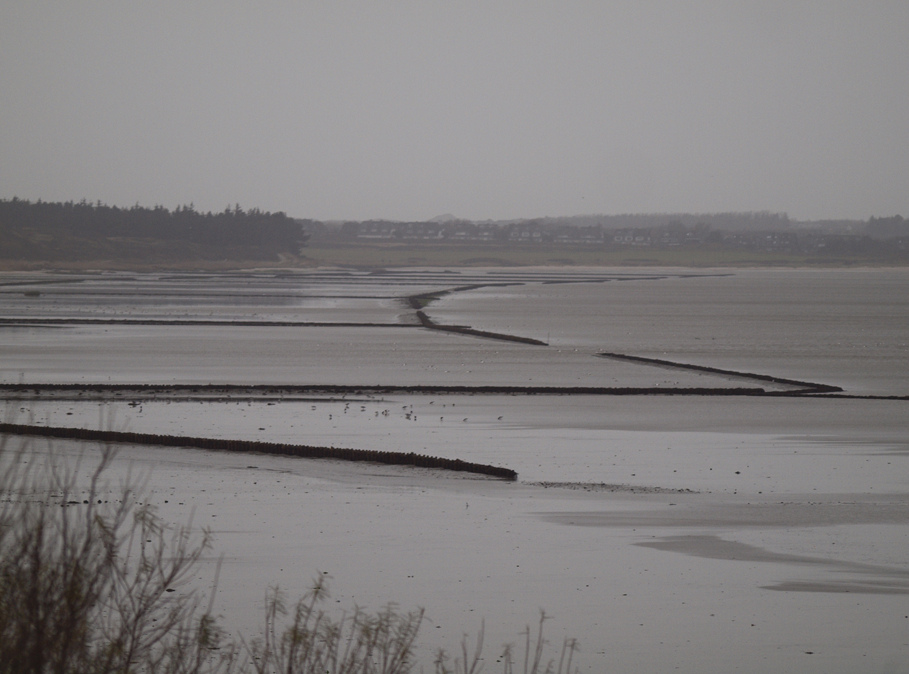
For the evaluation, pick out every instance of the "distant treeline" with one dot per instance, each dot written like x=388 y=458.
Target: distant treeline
x=83 y=230
x=80 y=232
x=888 y=228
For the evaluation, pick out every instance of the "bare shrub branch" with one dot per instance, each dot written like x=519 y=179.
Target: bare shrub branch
x=93 y=581
x=87 y=583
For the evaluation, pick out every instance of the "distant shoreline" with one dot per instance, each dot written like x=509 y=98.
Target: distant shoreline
x=372 y=256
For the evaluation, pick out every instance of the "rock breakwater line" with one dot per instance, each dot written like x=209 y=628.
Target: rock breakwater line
x=613 y=488
x=427 y=322
x=418 y=302
x=239 y=392
x=167 y=322
x=802 y=386
x=302 y=451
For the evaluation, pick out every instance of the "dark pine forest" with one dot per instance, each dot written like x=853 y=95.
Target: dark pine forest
x=64 y=231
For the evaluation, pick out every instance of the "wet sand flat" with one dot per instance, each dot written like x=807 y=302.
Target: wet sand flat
x=689 y=533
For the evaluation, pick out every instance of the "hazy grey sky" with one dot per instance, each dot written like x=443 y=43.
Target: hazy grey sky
x=484 y=109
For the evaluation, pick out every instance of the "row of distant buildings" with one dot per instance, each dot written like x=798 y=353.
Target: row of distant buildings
x=671 y=235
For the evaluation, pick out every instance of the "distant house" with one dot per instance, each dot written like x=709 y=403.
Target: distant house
x=632 y=237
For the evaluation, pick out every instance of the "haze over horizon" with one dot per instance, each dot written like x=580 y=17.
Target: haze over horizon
x=487 y=110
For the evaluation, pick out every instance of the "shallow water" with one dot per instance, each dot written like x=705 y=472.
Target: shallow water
x=810 y=493
x=845 y=328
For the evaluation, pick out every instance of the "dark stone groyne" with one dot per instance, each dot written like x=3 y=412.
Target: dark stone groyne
x=802 y=386
x=137 y=393
x=241 y=392
x=302 y=451
x=418 y=302
x=427 y=322
x=170 y=322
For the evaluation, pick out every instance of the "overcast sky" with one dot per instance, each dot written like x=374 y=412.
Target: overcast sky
x=486 y=109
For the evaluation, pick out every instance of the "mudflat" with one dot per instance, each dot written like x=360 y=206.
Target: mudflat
x=759 y=529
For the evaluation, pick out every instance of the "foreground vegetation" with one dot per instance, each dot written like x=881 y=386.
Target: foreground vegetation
x=95 y=585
